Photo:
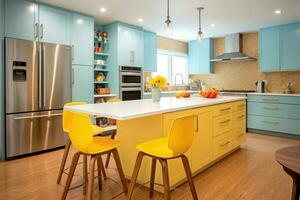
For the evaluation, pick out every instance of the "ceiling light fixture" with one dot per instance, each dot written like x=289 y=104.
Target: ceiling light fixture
x=200 y=33
x=103 y=10
x=168 y=22
x=141 y=20
x=213 y=25
x=277 y=12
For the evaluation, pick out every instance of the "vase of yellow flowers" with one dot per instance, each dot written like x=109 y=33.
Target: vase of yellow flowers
x=157 y=83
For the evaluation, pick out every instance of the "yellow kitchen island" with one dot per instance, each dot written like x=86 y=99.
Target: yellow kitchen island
x=221 y=130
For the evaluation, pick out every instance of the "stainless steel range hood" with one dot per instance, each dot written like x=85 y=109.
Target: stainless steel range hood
x=233 y=49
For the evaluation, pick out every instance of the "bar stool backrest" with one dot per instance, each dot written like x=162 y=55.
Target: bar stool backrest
x=67 y=115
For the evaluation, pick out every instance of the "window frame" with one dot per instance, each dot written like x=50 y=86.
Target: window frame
x=170 y=55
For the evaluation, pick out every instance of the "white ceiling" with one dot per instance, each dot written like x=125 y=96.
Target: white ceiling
x=229 y=16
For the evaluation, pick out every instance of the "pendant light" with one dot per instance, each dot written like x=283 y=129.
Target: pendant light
x=168 y=22
x=200 y=33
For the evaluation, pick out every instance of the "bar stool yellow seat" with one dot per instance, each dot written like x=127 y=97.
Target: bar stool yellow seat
x=81 y=136
x=66 y=127
x=177 y=143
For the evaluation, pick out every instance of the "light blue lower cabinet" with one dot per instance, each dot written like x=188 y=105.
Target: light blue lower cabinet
x=281 y=125
x=288 y=111
x=82 y=83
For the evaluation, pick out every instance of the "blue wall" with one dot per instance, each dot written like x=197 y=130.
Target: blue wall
x=1 y=80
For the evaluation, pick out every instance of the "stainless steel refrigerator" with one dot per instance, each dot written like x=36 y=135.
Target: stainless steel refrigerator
x=37 y=84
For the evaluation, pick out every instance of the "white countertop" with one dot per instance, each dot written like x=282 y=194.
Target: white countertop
x=273 y=94
x=172 y=92
x=146 y=107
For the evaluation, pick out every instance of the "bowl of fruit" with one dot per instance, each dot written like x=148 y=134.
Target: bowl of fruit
x=182 y=94
x=209 y=93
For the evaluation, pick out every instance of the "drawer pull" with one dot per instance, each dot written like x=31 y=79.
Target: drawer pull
x=270 y=122
x=225 y=122
x=225 y=144
x=240 y=135
x=270 y=99
x=225 y=109
x=240 y=117
x=271 y=108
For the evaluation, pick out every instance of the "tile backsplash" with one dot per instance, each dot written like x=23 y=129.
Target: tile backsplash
x=244 y=74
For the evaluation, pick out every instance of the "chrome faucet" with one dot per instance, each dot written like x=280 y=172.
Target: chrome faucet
x=176 y=78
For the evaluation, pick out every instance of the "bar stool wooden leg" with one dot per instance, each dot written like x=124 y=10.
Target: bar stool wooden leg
x=84 y=174
x=152 y=177
x=108 y=155
x=99 y=168
x=135 y=173
x=187 y=169
x=164 y=165
x=91 y=177
x=71 y=173
x=63 y=162
x=120 y=170
x=102 y=168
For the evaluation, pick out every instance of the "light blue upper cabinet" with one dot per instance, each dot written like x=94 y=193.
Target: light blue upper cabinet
x=82 y=83
x=269 y=41
x=150 y=51
x=290 y=47
x=200 y=54
x=130 y=46
x=54 y=25
x=82 y=39
x=20 y=19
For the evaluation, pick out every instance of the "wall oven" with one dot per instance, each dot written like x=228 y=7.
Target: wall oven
x=131 y=83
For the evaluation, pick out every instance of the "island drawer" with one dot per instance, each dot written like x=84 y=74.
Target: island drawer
x=222 y=144
x=238 y=137
x=222 y=124
x=239 y=106
x=274 y=99
x=222 y=109
x=290 y=126
x=239 y=120
x=291 y=111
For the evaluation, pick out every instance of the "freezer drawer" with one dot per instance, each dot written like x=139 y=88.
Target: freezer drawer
x=33 y=132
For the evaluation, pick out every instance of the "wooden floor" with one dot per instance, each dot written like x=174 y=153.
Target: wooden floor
x=249 y=173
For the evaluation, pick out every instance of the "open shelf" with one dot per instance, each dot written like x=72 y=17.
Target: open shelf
x=104 y=95
x=102 y=82
x=101 y=54
x=101 y=70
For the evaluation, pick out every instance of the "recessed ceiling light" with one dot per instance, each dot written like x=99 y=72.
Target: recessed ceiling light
x=79 y=21
x=140 y=19
x=277 y=12
x=103 y=10
x=213 y=25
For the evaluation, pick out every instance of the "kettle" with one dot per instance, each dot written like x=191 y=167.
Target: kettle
x=261 y=86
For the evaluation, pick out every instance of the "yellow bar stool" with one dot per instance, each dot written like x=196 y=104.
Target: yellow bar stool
x=66 y=127
x=114 y=132
x=177 y=143
x=81 y=136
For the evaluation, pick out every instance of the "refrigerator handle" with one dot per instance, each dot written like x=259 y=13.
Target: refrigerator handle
x=38 y=116
x=40 y=75
x=41 y=31
x=36 y=30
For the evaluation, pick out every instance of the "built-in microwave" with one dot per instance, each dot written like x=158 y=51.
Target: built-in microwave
x=131 y=83
x=130 y=76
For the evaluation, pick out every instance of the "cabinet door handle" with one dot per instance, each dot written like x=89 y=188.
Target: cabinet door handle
x=132 y=55
x=36 y=30
x=225 y=109
x=41 y=31
x=72 y=52
x=270 y=122
x=225 y=144
x=197 y=124
x=270 y=99
x=240 y=135
x=72 y=77
x=241 y=106
x=271 y=108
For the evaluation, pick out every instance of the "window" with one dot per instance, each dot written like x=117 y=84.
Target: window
x=173 y=66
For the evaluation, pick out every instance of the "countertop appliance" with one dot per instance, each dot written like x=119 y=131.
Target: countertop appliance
x=37 y=85
x=233 y=49
x=131 y=83
x=261 y=86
